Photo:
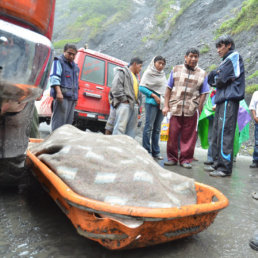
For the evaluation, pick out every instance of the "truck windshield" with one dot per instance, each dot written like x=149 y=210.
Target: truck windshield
x=93 y=70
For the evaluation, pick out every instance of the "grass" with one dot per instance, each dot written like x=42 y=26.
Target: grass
x=184 y=5
x=164 y=20
x=253 y=75
x=164 y=11
x=205 y=49
x=245 y=19
x=211 y=68
x=251 y=88
x=60 y=44
x=94 y=16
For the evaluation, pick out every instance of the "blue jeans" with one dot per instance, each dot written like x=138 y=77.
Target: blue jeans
x=151 y=130
x=255 y=154
x=126 y=119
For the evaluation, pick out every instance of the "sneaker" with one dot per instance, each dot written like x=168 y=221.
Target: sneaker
x=170 y=163
x=254 y=165
x=253 y=242
x=209 y=168
x=208 y=163
x=158 y=157
x=217 y=173
x=186 y=165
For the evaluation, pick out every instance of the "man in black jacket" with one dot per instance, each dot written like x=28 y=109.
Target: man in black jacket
x=229 y=79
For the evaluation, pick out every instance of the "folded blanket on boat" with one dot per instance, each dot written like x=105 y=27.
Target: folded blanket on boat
x=112 y=168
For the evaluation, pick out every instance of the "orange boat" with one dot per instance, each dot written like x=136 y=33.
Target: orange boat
x=105 y=223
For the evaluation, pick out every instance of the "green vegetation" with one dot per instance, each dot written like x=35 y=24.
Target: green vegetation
x=204 y=49
x=254 y=75
x=167 y=16
x=245 y=19
x=60 y=44
x=251 y=88
x=96 y=15
x=185 y=4
x=164 y=11
x=211 y=68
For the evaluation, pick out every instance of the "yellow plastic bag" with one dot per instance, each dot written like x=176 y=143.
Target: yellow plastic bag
x=164 y=129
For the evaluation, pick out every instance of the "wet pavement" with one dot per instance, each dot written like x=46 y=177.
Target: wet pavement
x=32 y=225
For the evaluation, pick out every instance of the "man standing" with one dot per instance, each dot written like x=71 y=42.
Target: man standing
x=229 y=79
x=254 y=109
x=64 y=87
x=184 y=97
x=125 y=98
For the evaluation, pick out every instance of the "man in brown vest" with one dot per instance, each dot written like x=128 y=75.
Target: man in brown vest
x=184 y=98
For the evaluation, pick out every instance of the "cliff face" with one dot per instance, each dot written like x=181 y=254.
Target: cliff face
x=155 y=27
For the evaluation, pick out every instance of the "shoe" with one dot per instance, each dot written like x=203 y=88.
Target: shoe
x=217 y=173
x=208 y=163
x=186 y=165
x=209 y=168
x=253 y=242
x=158 y=157
x=195 y=159
x=254 y=165
x=170 y=163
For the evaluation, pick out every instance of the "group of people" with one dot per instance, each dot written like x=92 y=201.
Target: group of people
x=183 y=95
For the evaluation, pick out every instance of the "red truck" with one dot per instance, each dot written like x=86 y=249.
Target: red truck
x=26 y=55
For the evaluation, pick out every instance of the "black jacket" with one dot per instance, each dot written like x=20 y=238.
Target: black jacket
x=229 y=78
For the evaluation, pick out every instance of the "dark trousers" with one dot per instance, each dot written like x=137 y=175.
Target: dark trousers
x=185 y=128
x=63 y=113
x=224 y=127
x=255 y=154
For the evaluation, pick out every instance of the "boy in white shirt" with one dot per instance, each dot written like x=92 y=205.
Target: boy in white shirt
x=254 y=109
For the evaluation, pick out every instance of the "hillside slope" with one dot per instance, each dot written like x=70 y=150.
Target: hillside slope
x=147 y=28
x=144 y=28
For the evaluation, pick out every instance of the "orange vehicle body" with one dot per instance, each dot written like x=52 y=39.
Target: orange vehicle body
x=93 y=219
x=35 y=15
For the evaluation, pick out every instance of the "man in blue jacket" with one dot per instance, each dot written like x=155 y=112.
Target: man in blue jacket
x=64 y=87
x=229 y=79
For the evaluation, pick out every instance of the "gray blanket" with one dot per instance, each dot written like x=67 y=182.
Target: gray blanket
x=113 y=169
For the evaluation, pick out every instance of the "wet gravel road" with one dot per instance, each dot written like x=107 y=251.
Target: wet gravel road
x=32 y=225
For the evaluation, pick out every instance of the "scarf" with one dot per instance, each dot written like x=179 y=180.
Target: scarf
x=154 y=80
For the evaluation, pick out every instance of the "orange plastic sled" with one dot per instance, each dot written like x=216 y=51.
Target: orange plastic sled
x=91 y=217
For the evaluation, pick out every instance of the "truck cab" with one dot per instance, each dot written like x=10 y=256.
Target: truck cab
x=95 y=79
x=26 y=55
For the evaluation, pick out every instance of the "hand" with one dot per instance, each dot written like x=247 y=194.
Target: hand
x=165 y=111
x=214 y=108
x=59 y=96
x=157 y=99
